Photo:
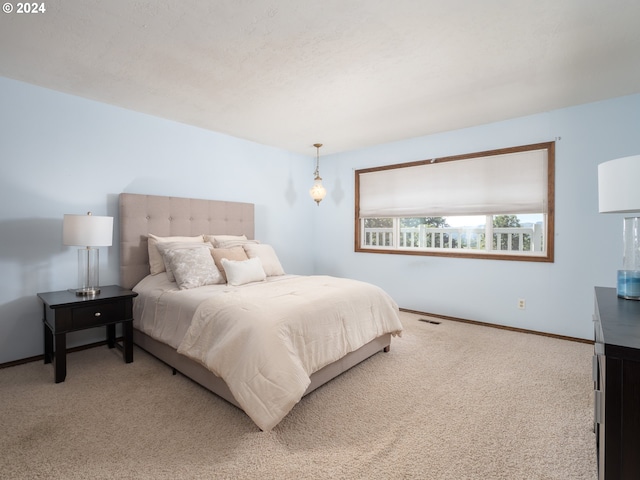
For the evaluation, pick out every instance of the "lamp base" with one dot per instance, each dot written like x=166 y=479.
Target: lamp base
x=629 y=284
x=88 y=277
x=87 y=292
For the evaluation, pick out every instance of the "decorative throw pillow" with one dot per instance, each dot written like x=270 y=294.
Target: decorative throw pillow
x=243 y=272
x=216 y=239
x=164 y=247
x=234 y=253
x=193 y=267
x=156 y=263
x=267 y=256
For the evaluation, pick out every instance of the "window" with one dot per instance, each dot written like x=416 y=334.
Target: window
x=497 y=204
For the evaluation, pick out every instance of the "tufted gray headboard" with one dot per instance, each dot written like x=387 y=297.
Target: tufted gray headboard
x=169 y=216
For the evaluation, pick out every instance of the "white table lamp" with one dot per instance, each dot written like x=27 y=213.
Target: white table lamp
x=88 y=231
x=619 y=192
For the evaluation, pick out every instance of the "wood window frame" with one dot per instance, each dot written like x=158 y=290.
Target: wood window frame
x=550 y=215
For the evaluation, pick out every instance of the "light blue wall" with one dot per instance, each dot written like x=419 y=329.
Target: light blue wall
x=588 y=245
x=64 y=154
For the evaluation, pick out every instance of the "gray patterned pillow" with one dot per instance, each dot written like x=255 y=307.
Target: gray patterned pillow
x=193 y=268
x=163 y=248
x=156 y=264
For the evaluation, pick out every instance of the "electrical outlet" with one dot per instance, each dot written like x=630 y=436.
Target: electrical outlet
x=522 y=304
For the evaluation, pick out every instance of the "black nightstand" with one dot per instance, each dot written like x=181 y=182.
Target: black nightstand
x=64 y=311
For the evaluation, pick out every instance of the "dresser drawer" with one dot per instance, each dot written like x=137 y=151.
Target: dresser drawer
x=95 y=315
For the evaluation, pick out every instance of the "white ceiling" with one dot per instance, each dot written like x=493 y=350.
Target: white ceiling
x=346 y=73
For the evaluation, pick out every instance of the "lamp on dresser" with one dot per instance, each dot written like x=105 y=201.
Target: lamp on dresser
x=619 y=192
x=88 y=231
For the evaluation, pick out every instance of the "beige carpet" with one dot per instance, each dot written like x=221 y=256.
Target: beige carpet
x=450 y=401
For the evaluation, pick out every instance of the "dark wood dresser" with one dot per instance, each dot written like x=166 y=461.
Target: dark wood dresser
x=616 y=375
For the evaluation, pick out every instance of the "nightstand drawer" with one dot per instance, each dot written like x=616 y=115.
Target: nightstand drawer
x=95 y=315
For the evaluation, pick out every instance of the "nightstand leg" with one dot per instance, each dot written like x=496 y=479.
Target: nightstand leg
x=127 y=340
x=48 y=344
x=60 y=357
x=111 y=335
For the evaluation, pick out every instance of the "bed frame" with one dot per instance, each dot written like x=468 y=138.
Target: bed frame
x=170 y=216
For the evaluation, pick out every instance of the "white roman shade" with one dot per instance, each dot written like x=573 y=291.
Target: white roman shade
x=501 y=184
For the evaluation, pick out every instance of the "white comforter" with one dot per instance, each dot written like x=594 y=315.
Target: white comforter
x=266 y=339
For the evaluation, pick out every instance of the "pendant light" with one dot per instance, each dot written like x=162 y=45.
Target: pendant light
x=317 y=192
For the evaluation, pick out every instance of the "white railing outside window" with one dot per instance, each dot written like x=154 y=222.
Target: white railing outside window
x=378 y=237
x=505 y=239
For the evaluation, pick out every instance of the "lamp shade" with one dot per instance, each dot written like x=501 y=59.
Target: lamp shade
x=87 y=230
x=618 y=185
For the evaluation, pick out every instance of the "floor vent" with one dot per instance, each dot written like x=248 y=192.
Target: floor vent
x=426 y=320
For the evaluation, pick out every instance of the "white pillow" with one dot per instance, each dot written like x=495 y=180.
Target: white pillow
x=156 y=263
x=267 y=256
x=245 y=271
x=164 y=247
x=216 y=239
x=193 y=267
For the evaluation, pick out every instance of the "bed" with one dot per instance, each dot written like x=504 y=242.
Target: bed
x=183 y=326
